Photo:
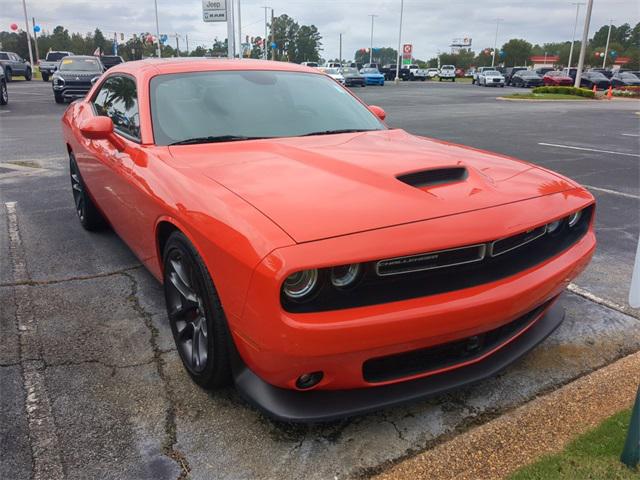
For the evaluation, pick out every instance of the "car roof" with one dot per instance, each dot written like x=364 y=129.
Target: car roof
x=156 y=66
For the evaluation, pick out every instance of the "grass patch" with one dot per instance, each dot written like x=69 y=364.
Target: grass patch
x=545 y=96
x=594 y=455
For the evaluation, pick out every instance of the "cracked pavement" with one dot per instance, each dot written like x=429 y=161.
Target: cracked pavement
x=91 y=385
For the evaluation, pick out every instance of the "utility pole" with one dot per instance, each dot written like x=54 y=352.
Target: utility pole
x=575 y=26
x=371 y=45
x=231 y=31
x=177 y=44
x=397 y=79
x=273 y=37
x=495 y=42
x=264 y=40
x=35 y=39
x=26 y=24
x=606 y=49
x=583 y=46
x=157 y=30
x=186 y=37
x=239 y=30
x=340 y=54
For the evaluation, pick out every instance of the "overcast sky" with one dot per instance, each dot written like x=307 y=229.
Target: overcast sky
x=429 y=25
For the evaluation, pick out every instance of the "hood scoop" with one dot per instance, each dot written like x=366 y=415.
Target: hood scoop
x=434 y=177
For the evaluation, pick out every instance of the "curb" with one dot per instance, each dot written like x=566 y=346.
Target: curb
x=542 y=426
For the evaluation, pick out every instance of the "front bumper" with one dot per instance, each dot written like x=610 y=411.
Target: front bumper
x=71 y=92
x=374 y=81
x=325 y=405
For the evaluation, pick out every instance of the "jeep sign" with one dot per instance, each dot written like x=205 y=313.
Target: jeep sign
x=214 y=10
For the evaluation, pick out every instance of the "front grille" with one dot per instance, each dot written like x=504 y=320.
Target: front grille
x=431 y=260
x=510 y=256
x=434 y=358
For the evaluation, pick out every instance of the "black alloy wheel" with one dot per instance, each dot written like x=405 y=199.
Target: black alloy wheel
x=195 y=314
x=90 y=218
x=28 y=75
x=4 y=93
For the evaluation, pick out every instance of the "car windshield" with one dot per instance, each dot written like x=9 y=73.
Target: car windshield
x=491 y=72
x=204 y=107
x=597 y=76
x=628 y=76
x=555 y=74
x=370 y=70
x=527 y=73
x=55 y=56
x=331 y=71
x=80 y=64
x=349 y=70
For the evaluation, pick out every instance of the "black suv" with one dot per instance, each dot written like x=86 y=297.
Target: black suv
x=14 y=65
x=111 y=60
x=50 y=64
x=75 y=77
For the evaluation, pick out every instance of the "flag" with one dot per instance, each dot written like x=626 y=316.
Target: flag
x=97 y=52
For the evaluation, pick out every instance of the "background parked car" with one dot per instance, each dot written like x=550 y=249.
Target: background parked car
x=589 y=79
x=556 y=78
x=51 y=62
x=4 y=94
x=333 y=73
x=357 y=65
x=75 y=77
x=372 y=76
x=625 y=79
x=490 y=78
x=310 y=64
x=477 y=73
x=509 y=71
x=460 y=72
x=432 y=72
x=604 y=71
x=447 y=72
x=333 y=65
x=542 y=71
x=352 y=77
x=111 y=60
x=15 y=65
x=526 y=79
x=414 y=72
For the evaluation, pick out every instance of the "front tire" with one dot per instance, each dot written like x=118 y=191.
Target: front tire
x=195 y=312
x=45 y=77
x=28 y=75
x=4 y=94
x=8 y=75
x=90 y=217
x=59 y=98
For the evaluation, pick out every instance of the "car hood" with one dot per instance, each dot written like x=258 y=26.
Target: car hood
x=331 y=185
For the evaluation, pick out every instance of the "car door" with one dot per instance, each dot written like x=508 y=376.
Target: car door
x=108 y=175
x=17 y=64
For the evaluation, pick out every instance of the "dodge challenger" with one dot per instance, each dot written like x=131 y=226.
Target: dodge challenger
x=324 y=263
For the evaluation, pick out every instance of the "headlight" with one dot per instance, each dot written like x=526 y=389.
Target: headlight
x=58 y=81
x=344 y=275
x=300 y=284
x=553 y=226
x=574 y=218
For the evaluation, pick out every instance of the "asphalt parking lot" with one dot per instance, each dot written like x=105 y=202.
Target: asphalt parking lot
x=91 y=386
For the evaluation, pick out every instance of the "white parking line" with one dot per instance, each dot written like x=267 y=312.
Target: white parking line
x=572 y=287
x=630 y=134
x=588 y=149
x=613 y=192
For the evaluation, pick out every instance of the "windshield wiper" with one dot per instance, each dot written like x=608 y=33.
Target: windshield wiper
x=331 y=132
x=213 y=139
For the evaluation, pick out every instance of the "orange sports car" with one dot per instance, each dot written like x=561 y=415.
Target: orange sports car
x=326 y=264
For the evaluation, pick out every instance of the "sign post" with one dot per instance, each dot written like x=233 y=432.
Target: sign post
x=407 y=54
x=217 y=11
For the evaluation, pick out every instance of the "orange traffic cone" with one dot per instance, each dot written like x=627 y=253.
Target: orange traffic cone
x=610 y=92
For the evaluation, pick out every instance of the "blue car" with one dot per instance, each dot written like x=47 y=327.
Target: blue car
x=372 y=76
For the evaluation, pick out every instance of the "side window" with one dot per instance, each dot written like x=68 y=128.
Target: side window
x=118 y=100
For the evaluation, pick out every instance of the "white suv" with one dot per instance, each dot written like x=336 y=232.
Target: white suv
x=447 y=72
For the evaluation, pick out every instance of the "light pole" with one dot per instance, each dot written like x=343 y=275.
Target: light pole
x=495 y=42
x=264 y=43
x=340 y=54
x=397 y=79
x=606 y=49
x=575 y=26
x=371 y=45
x=583 y=46
x=157 y=29
x=239 y=31
x=26 y=24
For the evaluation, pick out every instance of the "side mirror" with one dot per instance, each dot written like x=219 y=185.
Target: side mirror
x=101 y=128
x=378 y=112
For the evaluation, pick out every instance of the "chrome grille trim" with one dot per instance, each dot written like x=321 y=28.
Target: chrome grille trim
x=482 y=250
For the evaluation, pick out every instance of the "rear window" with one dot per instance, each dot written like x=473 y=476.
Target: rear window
x=55 y=56
x=4 y=56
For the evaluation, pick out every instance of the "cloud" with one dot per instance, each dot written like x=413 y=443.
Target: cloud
x=429 y=25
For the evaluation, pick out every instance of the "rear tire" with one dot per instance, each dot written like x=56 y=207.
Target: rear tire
x=197 y=320
x=8 y=75
x=45 y=77
x=28 y=75
x=90 y=217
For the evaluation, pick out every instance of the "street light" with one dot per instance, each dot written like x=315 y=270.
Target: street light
x=397 y=79
x=606 y=49
x=583 y=46
x=371 y=49
x=264 y=42
x=157 y=29
x=495 y=42
x=26 y=22
x=575 y=26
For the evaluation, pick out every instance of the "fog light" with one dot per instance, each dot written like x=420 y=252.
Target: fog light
x=308 y=380
x=300 y=284
x=574 y=218
x=553 y=226
x=345 y=275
